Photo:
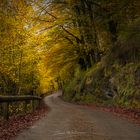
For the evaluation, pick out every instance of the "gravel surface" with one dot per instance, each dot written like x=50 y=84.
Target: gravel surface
x=66 y=121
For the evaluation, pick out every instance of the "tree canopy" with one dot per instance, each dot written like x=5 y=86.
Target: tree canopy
x=84 y=47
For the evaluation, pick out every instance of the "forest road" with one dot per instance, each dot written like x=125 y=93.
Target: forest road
x=66 y=121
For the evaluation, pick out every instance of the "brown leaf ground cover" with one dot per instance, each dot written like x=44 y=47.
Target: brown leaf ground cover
x=10 y=128
x=131 y=114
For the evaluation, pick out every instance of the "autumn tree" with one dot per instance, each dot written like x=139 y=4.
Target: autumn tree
x=18 y=54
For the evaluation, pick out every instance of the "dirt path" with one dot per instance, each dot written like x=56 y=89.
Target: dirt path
x=70 y=122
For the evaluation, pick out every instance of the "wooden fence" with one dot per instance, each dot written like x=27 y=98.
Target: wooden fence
x=5 y=101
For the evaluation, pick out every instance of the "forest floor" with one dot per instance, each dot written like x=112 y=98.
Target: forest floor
x=131 y=114
x=16 y=124
x=67 y=121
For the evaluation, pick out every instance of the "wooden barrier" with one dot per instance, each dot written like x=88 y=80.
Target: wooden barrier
x=6 y=100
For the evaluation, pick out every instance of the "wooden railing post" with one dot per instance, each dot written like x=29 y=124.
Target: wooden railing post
x=6 y=110
x=39 y=103
x=25 y=106
x=33 y=105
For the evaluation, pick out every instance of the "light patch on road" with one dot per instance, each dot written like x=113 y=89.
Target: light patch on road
x=34 y=126
x=69 y=133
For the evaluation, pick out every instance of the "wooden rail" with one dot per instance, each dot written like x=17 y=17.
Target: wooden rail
x=18 y=98
x=6 y=100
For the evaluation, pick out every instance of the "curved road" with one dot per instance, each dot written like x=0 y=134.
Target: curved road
x=66 y=121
